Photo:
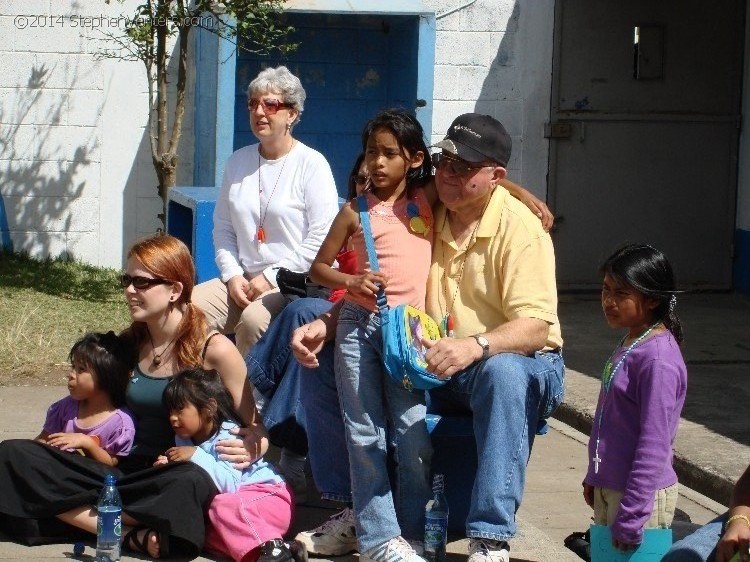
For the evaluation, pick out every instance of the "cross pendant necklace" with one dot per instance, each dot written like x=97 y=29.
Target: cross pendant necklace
x=608 y=377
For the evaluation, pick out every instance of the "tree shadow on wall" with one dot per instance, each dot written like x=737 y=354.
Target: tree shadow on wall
x=42 y=170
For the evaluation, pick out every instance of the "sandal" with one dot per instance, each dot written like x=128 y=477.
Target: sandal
x=132 y=542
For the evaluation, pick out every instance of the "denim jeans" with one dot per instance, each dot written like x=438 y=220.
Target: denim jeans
x=276 y=374
x=327 y=454
x=509 y=395
x=699 y=546
x=377 y=410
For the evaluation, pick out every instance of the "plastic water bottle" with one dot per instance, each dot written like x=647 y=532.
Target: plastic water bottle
x=436 y=523
x=108 y=522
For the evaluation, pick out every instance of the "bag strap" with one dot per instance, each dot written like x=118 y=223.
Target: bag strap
x=372 y=256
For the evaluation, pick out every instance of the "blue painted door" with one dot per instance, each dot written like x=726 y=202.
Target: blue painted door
x=351 y=66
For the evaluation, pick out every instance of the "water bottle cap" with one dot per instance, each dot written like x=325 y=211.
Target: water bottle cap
x=109 y=480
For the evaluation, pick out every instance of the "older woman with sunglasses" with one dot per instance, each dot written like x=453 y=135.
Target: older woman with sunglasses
x=163 y=508
x=275 y=206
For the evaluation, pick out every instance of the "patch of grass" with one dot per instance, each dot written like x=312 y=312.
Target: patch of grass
x=45 y=306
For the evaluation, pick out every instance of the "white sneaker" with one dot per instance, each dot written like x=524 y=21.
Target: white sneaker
x=335 y=537
x=395 y=550
x=418 y=546
x=488 y=550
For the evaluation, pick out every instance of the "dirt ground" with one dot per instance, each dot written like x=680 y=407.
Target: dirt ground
x=54 y=375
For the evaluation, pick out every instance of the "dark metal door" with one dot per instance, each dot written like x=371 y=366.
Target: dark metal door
x=644 y=117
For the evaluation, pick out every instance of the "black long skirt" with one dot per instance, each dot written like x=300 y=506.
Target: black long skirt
x=38 y=482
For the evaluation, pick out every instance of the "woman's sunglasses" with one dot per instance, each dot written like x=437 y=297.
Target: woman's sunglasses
x=269 y=106
x=141 y=282
x=360 y=179
x=455 y=165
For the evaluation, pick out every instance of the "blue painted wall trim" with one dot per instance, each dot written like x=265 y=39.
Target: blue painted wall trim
x=742 y=261
x=426 y=71
x=214 y=107
x=5 y=240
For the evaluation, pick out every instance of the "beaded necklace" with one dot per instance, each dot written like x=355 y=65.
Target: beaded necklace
x=261 y=233
x=608 y=375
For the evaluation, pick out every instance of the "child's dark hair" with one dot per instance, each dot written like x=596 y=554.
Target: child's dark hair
x=648 y=271
x=198 y=387
x=410 y=137
x=351 y=192
x=110 y=358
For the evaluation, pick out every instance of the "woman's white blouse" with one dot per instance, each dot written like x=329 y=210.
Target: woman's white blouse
x=302 y=201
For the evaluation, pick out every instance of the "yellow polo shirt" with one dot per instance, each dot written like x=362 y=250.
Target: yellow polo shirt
x=509 y=271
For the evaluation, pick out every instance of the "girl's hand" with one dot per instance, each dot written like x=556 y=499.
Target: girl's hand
x=623 y=546
x=366 y=284
x=736 y=538
x=539 y=208
x=161 y=460
x=237 y=288
x=257 y=286
x=180 y=454
x=588 y=495
x=71 y=441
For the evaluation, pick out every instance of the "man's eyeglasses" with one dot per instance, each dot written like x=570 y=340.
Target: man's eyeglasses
x=269 y=106
x=455 y=165
x=140 y=282
x=360 y=179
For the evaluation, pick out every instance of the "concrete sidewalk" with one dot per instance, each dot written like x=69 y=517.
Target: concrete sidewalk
x=712 y=449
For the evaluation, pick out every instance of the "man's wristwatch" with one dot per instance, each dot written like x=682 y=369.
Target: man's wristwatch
x=484 y=343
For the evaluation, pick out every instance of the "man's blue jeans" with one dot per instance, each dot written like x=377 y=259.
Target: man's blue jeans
x=508 y=395
x=699 y=546
x=276 y=374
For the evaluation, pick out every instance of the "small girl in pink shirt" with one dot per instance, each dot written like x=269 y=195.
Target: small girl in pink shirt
x=90 y=420
x=376 y=409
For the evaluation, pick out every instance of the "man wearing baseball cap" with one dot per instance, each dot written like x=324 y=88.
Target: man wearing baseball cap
x=492 y=287
x=492 y=281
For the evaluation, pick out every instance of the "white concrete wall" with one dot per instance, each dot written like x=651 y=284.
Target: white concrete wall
x=75 y=169
x=495 y=57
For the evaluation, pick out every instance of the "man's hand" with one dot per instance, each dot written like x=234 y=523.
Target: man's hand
x=736 y=538
x=180 y=454
x=366 y=284
x=447 y=356
x=72 y=441
x=307 y=341
x=257 y=286
x=237 y=288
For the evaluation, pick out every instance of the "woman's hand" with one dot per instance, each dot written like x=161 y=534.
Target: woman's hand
x=257 y=286
x=237 y=287
x=366 y=284
x=736 y=538
x=588 y=495
x=307 y=341
x=247 y=449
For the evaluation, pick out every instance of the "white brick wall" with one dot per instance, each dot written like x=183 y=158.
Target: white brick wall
x=75 y=167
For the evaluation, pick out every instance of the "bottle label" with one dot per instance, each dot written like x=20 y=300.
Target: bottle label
x=109 y=525
x=435 y=532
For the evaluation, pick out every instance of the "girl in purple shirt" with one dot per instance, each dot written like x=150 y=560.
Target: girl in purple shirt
x=630 y=482
x=89 y=420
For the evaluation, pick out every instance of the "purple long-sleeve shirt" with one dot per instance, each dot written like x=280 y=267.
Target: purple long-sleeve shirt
x=638 y=428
